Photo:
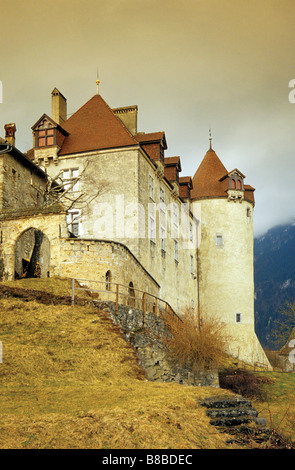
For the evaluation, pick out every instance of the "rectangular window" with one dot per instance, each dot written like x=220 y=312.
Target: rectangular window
x=175 y=221
x=73 y=222
x=176 y=250
x=163 y=240
x=152 y=229
x=45 y=137
x=175 y=215
x=70 y=178
x=219 y=240
x=151 y=187
x=238 y=317
x=162 y=199
x=248 y=215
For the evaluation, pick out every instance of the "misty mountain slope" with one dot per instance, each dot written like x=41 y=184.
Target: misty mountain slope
x=274 y=276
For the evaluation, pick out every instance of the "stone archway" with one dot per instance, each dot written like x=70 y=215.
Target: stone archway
x=32 y=254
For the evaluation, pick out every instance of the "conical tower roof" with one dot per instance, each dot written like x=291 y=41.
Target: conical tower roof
x=206 y=181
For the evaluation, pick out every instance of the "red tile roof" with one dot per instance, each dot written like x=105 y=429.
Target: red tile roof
x=150 y=137
x=211 y=179
x=249 y=193
x=206 y=181
x=95 y=127
x=173 y=161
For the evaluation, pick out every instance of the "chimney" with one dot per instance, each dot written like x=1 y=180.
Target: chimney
x=58 y=107
x=10 y=130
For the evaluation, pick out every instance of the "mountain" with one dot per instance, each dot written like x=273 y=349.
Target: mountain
x=274 y=277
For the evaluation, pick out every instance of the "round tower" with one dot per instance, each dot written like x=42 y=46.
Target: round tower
x=225 y=254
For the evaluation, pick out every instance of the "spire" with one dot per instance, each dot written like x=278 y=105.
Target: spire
x=97 y=83
x=210 y=139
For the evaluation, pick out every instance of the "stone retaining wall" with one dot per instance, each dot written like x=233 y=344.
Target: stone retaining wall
x=146 y=337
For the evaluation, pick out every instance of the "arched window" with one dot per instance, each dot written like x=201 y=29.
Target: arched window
x=108 y=280
x=232 y=184
x=131 y=294
x=239 y=184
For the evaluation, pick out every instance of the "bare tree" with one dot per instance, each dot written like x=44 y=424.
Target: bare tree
x=67 y=193
x=61 y=190
x=31 y=270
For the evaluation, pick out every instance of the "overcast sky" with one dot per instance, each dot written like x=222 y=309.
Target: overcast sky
x=187 y=65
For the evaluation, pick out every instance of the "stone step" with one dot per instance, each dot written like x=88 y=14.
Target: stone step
x=232 y=412
x=226 y=402
x=236 y=417
x=230 y=422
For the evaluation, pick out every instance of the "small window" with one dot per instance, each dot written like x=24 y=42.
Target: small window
x=163 y=240
x=238 y=317
x=239 y=184
x=219 y=240
x=108 y=280
x=73 y=222
x=131 y=295
x=70 y=178
x=151 y=187
x=162 y=199
x=152 y=229
x=175 y=215
x=45 y=137
x=176 y=250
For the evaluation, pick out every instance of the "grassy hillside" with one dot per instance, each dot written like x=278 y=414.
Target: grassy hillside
x=279 y=407
x=69 y=380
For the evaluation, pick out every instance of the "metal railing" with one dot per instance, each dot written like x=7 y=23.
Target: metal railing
x=126 y=295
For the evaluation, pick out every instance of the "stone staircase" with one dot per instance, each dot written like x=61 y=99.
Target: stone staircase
x=236 y=417
x=231 y=411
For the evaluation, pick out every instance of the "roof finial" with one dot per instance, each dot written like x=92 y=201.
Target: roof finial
x=210 y=138
x=97 y=83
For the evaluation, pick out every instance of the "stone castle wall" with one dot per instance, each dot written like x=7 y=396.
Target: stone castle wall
x=122 y=212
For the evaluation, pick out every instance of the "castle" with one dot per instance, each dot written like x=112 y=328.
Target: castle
x=112 y=207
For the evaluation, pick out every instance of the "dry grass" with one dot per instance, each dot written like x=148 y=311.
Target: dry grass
x=69 y=380
x=197 y=347
x=53 y=285
x=278 y=407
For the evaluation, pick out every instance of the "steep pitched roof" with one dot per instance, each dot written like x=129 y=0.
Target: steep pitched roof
x=95 y=127
x=206 y=181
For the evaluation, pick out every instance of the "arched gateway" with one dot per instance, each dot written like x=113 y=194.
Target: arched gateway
x=32 y=254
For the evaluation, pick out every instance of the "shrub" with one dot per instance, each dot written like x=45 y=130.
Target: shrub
x=198 y=348
x=243 y=382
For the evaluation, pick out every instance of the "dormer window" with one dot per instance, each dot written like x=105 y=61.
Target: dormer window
x=47 y=133
x=45 y=137
x=236 y=180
